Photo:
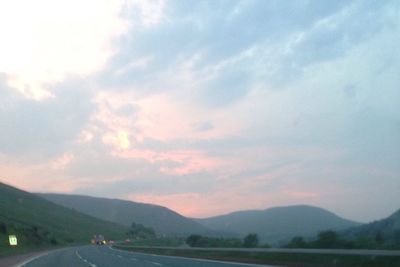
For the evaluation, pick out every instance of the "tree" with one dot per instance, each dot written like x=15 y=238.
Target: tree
x=297 y=242
x=193 y=240
x=3 y=228
x=379 y=237
x=396 y=237
x=205 y=241
x=139 y=231
x=250 y=241
x=327 y=239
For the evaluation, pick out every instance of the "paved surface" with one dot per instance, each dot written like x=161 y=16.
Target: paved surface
x=12 y=260
x=104 y=256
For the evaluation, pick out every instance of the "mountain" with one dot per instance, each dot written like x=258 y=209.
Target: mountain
x=38 y=222
x=163 y=220
x=278 y=225
x=386 y=231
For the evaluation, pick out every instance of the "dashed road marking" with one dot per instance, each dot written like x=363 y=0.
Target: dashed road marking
x=84 y=260
x=155 y=263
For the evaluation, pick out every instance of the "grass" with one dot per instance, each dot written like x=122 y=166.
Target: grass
x=40 y=224
x=275 y=258
x=160 y=242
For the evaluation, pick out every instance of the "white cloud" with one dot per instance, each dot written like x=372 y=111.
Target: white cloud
x=151 y=11
x=45 y=40
x=119 y=140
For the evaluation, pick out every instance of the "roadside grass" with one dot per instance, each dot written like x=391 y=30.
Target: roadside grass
x=40 y=224
x=276 y=258
x=159 y=242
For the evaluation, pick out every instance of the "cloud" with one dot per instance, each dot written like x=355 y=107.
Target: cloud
x=37 y=130
x=217 y=31
x=45 y=41
x=188 y=104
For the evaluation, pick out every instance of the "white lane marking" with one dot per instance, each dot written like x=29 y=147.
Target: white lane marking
x=119 y=256
x=155 y=263
x=84 y=260
x=30 y=260
x=133 y=259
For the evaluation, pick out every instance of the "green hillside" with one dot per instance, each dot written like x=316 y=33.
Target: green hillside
x=383 y=233
x=39 y=223
x=164 y=221
x=278 y=225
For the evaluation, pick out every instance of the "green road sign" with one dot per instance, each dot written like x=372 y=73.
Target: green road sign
x=13 y=240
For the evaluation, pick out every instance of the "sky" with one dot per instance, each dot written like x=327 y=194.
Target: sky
x=205 y=107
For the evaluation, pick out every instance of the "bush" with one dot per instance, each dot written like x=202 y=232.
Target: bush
x=327 y=239
x=297 y=242
x=53 y=241
x=204 y=241
x=139 y=231
x=250 y=241
x=3 y=228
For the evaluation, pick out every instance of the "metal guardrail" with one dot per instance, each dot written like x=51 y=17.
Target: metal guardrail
x=282 y=250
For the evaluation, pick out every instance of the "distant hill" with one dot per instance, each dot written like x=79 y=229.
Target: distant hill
x=163 y=220
x=278 y=225
x=388 y=230
x=38 y=222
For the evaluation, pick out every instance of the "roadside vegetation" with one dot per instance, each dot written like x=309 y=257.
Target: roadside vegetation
x=159 y=242
x=139 y=231
x=205 y=247
x=334 y=240
x=40 y=224
x=275 y=258
x=29 y=238
x=249 y=241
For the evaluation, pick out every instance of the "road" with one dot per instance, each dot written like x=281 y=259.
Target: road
x=104 y=256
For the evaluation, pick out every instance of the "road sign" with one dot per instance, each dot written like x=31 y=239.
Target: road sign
x=13 y=240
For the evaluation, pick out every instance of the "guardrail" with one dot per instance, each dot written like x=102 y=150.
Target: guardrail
x=282 y=250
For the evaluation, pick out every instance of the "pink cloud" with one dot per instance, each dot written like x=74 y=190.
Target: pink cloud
x=42 y=177
x=161 y=117
x=199 y=205
x=301 y=194
x=188 y=161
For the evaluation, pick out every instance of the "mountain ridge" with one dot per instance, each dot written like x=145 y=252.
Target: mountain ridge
x=386 y=229
x=278 y=224
x=162 y=219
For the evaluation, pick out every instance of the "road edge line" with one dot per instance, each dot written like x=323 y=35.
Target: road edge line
x=44 y=253
x=32 y=259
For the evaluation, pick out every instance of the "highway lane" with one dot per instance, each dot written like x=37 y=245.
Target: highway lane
x=104 y=256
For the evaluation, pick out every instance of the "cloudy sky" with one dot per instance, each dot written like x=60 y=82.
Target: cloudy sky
x=205 y=107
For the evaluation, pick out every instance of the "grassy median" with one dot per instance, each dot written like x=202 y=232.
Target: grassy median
x=276 y=258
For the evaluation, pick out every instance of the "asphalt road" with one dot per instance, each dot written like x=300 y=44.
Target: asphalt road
x=104 y=256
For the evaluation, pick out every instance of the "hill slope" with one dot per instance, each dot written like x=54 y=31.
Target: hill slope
x=387 y=229
x=38 y=222
x=278 y=224
x=164 y=221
